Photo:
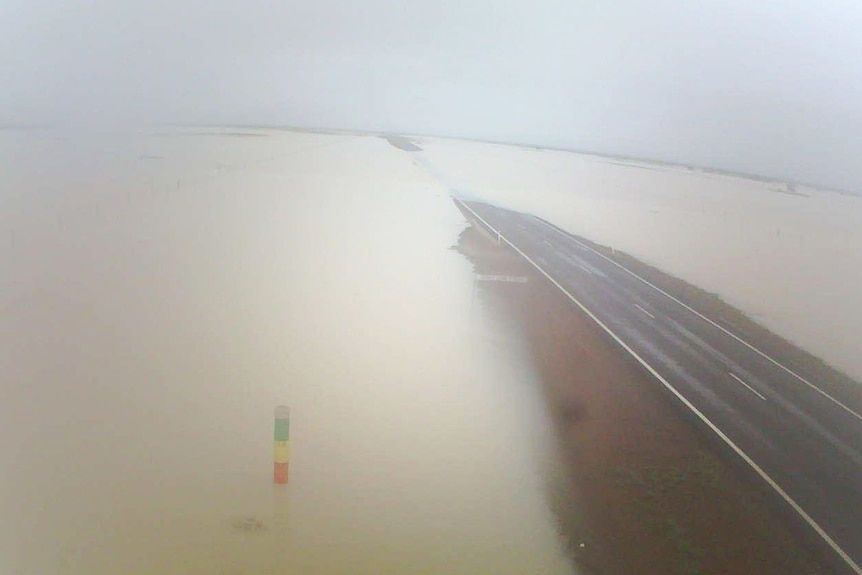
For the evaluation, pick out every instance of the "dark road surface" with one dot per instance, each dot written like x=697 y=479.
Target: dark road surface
x=802 y=440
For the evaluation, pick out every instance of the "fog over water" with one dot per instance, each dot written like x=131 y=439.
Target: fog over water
x=161 y=294
x=163 y=288
x=763 y=88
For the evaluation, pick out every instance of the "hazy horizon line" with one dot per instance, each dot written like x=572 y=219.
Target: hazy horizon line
x=652 y=161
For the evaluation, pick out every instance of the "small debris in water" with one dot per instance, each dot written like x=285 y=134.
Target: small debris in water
x=249 y=525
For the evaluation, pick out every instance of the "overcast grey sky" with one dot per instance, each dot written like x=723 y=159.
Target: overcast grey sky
x=767 y=87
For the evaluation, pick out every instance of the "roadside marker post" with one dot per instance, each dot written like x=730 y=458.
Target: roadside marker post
x=281 y=444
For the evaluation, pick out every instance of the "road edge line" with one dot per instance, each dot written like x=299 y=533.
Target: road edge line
x=697 y=313
x=738 y=450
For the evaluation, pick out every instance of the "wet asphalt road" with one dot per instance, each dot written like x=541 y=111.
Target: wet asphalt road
x=800 y=434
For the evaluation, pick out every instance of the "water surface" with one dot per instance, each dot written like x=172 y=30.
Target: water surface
x=161 y=293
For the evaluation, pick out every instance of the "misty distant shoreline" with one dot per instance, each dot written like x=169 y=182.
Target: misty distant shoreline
x=790 y=185
x=631 y=161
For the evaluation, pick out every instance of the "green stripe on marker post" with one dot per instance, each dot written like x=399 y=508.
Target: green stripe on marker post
x=281 y=444
x=282 y=423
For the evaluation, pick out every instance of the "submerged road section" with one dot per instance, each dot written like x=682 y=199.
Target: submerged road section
x=794 y=430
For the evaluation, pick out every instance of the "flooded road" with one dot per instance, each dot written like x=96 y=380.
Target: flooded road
x=786 y=255
x=161 y=294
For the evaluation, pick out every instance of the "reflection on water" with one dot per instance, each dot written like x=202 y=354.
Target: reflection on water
x=159 y=295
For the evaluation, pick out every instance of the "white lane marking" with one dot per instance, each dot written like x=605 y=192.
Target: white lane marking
x=547 y=243
x=697 y=313
x=751 y=389
x=738 y=450
x=645 y=311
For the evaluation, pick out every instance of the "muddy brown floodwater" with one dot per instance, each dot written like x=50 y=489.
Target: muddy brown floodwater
x=648 y=493
x=161 y=293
